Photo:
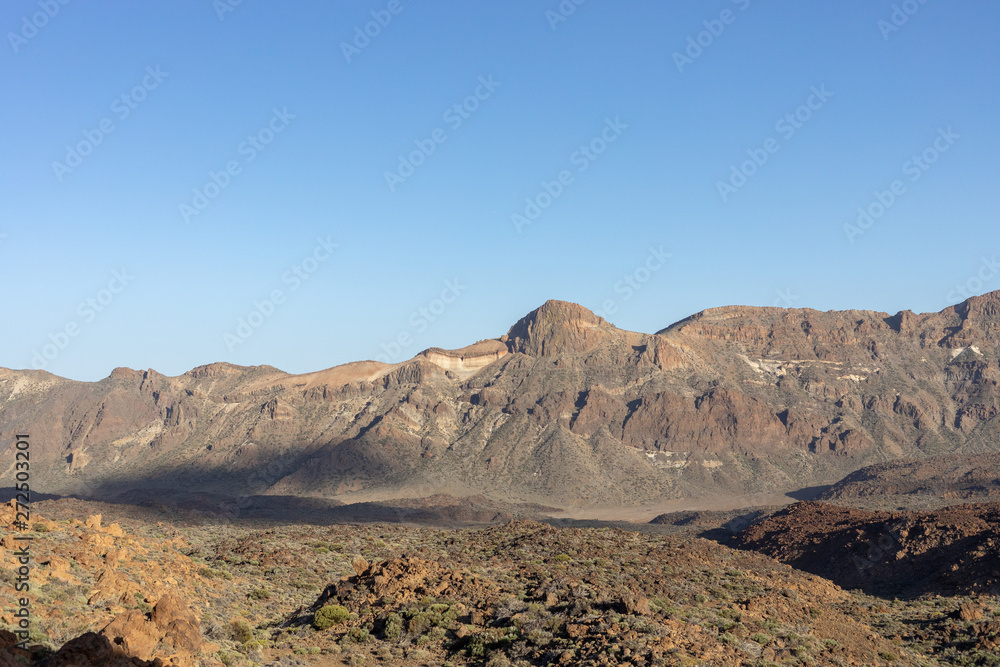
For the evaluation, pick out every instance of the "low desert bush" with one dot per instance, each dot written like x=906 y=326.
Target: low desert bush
x=329 y=616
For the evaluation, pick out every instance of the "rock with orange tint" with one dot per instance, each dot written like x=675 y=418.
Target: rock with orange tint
x=179 y=625
x=359 y=564
x=112 y=557
x=55 y=567
x=93 y=650
x=99 y=542
x=112 y=588
x=400 y=581
x=133 y=632
x=170 y=632
x=73 y=553
x=970 y=611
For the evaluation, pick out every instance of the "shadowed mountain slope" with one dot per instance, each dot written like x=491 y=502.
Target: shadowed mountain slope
x=564 y=409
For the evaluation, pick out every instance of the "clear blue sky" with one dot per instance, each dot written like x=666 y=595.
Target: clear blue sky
x=323 y=125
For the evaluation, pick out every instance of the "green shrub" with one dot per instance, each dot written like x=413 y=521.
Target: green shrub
x=420 y=623
x=260 y=594
x=37 y=636
x=761 y=638
x=563 y=558
x=481 y=644
x=499 y=660
x=659 y=603
x=41 y=528
x=357 y=636
x=209 y=573
x=392 y=627
x=430 y=614
x=539 y=637
x=329 y=616
x=241 y=630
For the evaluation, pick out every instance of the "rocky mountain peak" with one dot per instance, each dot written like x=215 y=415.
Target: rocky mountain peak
x=982 y=310
x=558 y=327
x=125 y=373
x=975 y=321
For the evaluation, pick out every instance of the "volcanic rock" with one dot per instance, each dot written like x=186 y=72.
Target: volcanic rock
x=565 y=409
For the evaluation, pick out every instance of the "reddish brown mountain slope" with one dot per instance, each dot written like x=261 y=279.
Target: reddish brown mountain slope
x=966 y=477
x=565 y=409
x=951 y=551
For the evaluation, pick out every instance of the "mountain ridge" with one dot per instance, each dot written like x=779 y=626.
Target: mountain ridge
x=987 y=304
x=565 y=408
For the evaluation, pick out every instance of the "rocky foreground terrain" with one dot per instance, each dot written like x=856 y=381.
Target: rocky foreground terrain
x=143 y=587
x=564 y=410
